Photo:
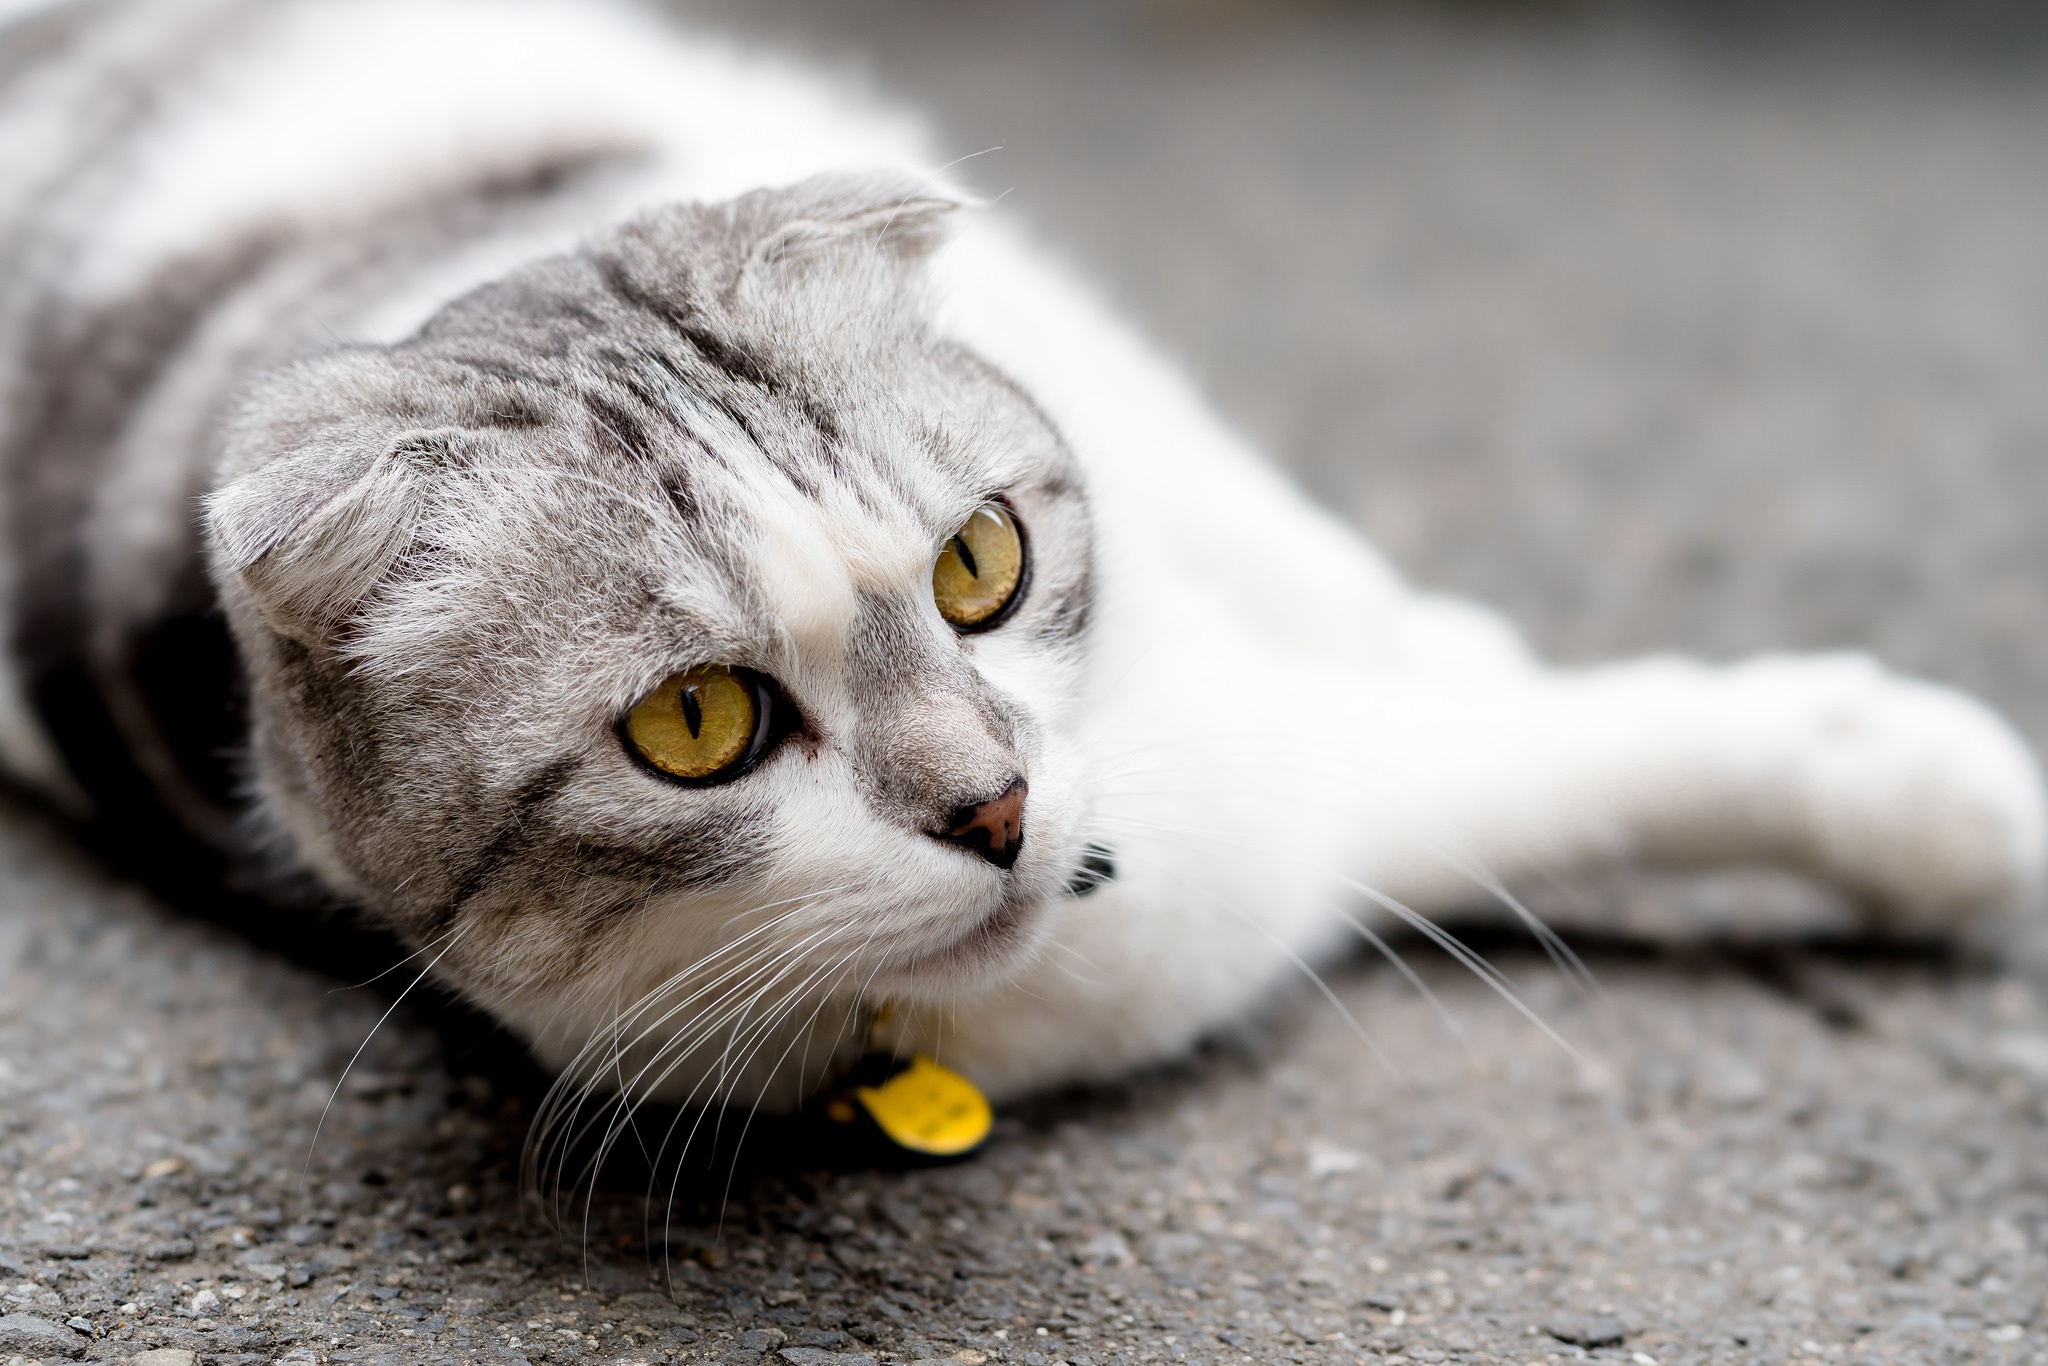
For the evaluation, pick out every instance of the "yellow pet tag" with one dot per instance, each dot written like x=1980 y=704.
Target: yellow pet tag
x=929 y=1109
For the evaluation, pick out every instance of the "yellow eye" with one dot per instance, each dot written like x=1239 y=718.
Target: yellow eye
x=981 y=569
x=697 y=724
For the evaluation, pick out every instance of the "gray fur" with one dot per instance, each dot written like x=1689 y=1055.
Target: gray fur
x=453 y=564
x=450 y=564
x=598 y=414
x=471 y=490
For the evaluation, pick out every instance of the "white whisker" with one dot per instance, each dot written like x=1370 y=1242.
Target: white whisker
x=314 y=1142
x=1301 y=964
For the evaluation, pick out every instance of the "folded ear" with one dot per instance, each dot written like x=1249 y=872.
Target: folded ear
x=837 y=260
x=897 y=215
x=831 y=259
x=323 y=509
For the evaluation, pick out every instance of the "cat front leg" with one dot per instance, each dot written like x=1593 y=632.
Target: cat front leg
x=1911 y=797
x=1251 y=847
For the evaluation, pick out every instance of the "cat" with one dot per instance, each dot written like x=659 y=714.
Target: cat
x=611 y=507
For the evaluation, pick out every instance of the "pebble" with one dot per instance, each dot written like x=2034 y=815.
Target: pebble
x=29 y=1336
x=823 y=1337
x=1106 y=1249
x=815 y=1356
x=1587 y=1331
x=165 y=1356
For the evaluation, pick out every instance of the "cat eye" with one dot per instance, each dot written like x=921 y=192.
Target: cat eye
x=701 y=725
x=979 y=576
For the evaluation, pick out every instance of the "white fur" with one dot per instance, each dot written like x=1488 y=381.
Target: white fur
x=1440 y=756
x=1277 y=733
x=336 y=111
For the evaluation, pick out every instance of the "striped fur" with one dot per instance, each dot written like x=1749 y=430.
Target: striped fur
x=392 y=391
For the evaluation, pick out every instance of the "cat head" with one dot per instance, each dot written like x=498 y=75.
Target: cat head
x=685 y=622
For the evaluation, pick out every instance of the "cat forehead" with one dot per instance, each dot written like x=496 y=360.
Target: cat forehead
x=798 y=505
x=745 y=408
x=807 y=559
x=750 y=521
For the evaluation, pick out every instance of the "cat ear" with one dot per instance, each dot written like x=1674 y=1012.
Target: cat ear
x=833 y=265
x=309 y=530
x=894 y=214
x=828 y=252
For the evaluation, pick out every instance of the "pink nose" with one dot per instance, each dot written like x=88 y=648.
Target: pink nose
x=993 y=829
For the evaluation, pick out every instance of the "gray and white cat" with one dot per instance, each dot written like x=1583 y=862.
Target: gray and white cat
x=699 y=580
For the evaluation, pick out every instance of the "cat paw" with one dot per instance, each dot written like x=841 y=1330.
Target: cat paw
x=1915 y=797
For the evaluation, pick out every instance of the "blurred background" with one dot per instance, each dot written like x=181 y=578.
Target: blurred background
x=1713 y=325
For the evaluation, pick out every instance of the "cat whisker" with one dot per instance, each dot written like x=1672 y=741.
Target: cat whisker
x=1301 y=964
x=558 y=1109
x=732 y=1005
x=584 y=1085
x=1474 y=870
x=796 y=904
x=372 y=981
x=855 y=1013
x=624 y=1107
x=1463 y=954
x=1567 y=961
x=698 y=1121
x=1372 y=939
x=754 y=1108
x=729 y=1000
x=1560 y=953
x=999 y=147
x=745 y=1035
x=1071 y=952
x=313 y=1143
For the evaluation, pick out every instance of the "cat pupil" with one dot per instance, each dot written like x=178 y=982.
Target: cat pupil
x=966 y=556
x=693 y=711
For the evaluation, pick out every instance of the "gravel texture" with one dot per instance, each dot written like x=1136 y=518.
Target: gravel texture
x=1652 y=345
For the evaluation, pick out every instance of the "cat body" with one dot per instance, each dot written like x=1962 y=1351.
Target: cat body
x=439 y=377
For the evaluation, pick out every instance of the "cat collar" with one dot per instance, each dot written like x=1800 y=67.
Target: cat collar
x=922 y=1112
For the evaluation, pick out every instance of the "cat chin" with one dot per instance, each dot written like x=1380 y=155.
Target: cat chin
x=986 y=952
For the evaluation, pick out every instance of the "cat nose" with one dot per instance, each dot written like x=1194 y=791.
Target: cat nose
x=994 y=828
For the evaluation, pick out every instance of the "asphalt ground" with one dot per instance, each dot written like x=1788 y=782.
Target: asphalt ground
x=1651 y=342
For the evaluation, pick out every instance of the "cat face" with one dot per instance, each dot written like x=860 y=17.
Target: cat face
x=611 y=639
